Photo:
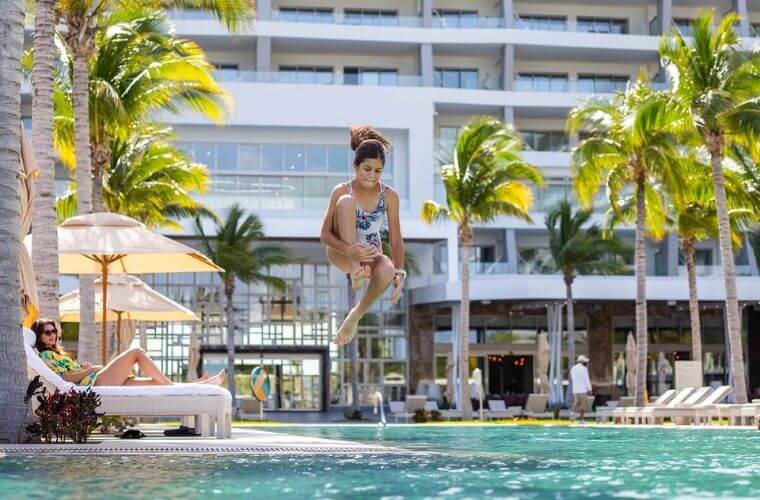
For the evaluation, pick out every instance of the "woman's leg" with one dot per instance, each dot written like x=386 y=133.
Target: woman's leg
x=345 y=229
x=117 y=371
x=382 y=276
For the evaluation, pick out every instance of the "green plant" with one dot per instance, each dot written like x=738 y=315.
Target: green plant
x=62 y=415
x=114 y=423
x=351 y=414
x=421 y=416
x=436 y=416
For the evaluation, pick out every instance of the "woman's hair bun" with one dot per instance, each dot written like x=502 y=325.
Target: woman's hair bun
x=363 y=133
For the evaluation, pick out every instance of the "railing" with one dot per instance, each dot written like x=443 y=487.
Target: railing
x=313 y=78
x=469 y=23
x=347 y=19
x=489 y=268
x=741 y=270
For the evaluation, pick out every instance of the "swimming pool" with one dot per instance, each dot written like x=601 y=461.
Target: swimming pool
x=498 y=461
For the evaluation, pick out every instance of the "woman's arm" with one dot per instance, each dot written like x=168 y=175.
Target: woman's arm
x=327 y=235
x=394 y=229
x=76 y=376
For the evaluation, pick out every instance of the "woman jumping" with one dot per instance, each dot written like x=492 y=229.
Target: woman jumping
x=357 y=213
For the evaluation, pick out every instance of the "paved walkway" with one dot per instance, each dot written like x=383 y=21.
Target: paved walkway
x=244 y=440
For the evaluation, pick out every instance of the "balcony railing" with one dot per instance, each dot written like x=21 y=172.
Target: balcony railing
x=489 y=268
x=313 y=78
x=468 y=23
x=342 y=18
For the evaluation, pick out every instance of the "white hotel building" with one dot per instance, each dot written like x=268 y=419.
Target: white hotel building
x=418 y=70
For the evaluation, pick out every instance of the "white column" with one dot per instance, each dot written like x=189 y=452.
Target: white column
x=752 y=257
x=263 y=53
x=511 y=251
x=508 y=66
x=454 y=391
x=740 y=7
x=427 y=13
x=264 y=9
x=426 y=64
x=509 y=115
x=508 y=12
x=673 y=248
x=664 y=16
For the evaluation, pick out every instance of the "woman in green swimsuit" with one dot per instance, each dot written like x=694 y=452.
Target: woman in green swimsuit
x=116 y=373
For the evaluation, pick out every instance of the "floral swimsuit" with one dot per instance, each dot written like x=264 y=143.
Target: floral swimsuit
x=61 y=364
x=369 y=225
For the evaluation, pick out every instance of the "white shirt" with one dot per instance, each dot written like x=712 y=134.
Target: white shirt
x=580 y=379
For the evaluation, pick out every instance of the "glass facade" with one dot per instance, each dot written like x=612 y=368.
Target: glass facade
x=544 y=140
x=548 y=23
x=541 y=82
x=602 y=84
x=602 y=25
x=371 y=17
x=303 y=315
x=455 y=19
x=456 y=78
x=271 y=176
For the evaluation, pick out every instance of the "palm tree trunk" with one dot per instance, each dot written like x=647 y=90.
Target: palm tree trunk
x=733 y=317
x=464 y=328
x=89 y=340
x=100 y=158
x=229 y=291
x=13 y=380
x=45 y=248
x=570 y=336
x=353 y=355
x=689 y=253
x=641 y=295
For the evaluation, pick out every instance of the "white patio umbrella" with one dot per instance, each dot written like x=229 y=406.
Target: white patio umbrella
x=542 y=362
x=556 y=394
x=127 y=299
x=29 y=171
x=477 y=376
x=631 y=366
x=106 y=243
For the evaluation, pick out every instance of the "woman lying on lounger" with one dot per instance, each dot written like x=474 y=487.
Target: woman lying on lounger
x=118 y=372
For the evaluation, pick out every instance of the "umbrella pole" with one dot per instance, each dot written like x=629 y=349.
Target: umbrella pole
x=104 y=309
x=118 y=332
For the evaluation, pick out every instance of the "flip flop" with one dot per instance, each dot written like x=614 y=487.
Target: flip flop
x=182 y=431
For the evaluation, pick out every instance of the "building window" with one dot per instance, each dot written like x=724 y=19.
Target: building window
x=542 y=140
x=535 y=260
x=370 y=76
x=455 y=18
x=602 y=25
x=455 y=78
x=305 y=15
x=372 y=17
x=306 y=74
x=754 y=30
x=277 y=176
x=683 y=25
x=602 y=84
x=548 y=23
x=541 y=82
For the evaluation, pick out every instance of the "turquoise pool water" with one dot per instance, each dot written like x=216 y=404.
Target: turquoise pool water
x=473 y=462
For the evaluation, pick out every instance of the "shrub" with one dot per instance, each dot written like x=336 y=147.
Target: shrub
x=420 y=416
x=62 y=414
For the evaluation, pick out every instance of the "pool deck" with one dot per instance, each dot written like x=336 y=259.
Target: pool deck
x=244 y=441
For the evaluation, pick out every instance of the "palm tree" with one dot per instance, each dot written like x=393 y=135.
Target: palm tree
x=630 y=143
x=578 y=249
x=148 y=179
x=12 y=360
x=486 y=179
x=124 y=73
x=45 y=248
x=237 y=248
x=694 y=218
x=716 y=84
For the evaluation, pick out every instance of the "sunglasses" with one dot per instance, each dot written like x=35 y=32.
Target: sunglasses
x=49 y=331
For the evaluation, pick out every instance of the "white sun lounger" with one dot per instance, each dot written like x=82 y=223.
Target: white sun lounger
x=739 y=414
x=535 y=406
x=431 y=406
x=398 y=410
x=210 y=405
x=705 y=411
x=626 y=413
x=497 y=409
x=675 y=408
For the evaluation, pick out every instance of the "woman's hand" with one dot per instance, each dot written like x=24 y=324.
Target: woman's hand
x=362 y=253
x=398 y=287
x=86 y=365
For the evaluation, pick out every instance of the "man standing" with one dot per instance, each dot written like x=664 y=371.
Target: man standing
x=581 y=386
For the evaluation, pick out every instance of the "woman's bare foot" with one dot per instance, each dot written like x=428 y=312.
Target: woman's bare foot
x=217 y=379
x=360 y=277
x=347 y=330
x=203 y=377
